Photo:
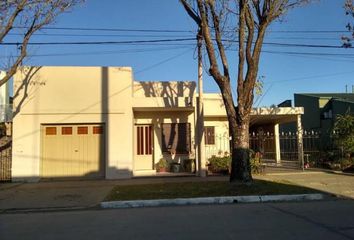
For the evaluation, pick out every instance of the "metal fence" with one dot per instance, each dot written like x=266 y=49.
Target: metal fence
x=265 y=143
x=289 y=145
x=5 y=161
x=221 y=147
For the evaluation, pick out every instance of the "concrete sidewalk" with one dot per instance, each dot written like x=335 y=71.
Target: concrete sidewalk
x=86 y=194
x=71 y=194
x=336 y=183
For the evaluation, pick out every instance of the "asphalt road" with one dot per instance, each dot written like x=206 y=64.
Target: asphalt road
x=333 y=219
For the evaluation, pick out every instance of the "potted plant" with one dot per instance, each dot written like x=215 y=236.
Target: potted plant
x=189 y=165
x=162 y=165
x=175 y=167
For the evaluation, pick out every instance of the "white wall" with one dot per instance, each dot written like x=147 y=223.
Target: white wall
x=56 y=95
x=222 y=144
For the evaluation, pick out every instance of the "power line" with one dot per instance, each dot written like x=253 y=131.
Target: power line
x=102 y=52
x=101 y=42
x=161 y=62
x=311 y=53
x=169 y=30
x=138 y=50
x=98 y=35
x=311 y=77
x=168 y=40
x=107 y=29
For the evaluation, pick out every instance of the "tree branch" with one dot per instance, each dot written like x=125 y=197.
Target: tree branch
x=190 y=11
x=218 y=39
x=41 y=13
x=214 y=68
x=241 y=56
x=9 y=25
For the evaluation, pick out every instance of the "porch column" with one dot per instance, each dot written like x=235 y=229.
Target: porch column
x=277 y=143
x=300 y=147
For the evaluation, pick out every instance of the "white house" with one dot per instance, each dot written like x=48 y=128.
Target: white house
x=97 y=122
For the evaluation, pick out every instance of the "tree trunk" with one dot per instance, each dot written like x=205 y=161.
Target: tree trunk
x=239 y=132
x=240 y=166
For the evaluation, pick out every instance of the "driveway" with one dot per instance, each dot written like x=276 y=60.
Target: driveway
x=53 y=194
x=339 y=184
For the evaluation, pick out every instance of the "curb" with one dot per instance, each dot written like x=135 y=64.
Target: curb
x=46 y=209
x=210 y=200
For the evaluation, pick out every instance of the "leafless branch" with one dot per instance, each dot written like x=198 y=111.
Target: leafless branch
x=30 y=15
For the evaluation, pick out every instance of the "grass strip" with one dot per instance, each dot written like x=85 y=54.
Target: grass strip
x=203 y=189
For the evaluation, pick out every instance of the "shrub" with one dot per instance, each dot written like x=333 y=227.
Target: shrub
x=346 y=163
x=256 y=162
x=162 y=165
x=219 y=164
x=344 y=132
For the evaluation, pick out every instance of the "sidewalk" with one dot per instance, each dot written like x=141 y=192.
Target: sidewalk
x=71 y=194
x=86 y=194
x=336 y=183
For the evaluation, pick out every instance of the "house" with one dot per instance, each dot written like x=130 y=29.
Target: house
x=97 y=122
x=5 y=101
x=320 y=112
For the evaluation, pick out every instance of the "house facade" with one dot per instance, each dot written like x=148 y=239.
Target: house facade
x=97 y=122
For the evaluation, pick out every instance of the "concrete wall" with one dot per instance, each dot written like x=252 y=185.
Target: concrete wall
x=312 y=112
x=213 y=105
x=164 y=89
x=164 y=94
x=57 y=95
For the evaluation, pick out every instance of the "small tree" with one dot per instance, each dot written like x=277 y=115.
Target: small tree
x=27 y=16
x=344 y=132
x=248 y=20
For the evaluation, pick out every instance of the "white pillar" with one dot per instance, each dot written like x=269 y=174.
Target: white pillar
x=300 y=147
x=277 y=144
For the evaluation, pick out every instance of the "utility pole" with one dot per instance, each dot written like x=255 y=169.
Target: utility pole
x=200 y=117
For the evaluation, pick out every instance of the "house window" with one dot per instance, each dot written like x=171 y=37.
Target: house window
x=82 y=130
x=327 y=115
x=176 y=137
x=209 y=135
x=66 y=130
x=97 y=130
x=50 y=131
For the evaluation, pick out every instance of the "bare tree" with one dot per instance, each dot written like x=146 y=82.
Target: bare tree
x=249 y=21
x=349 y=10
x=27 y=17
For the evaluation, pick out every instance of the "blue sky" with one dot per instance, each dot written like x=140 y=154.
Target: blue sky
x=286 y=70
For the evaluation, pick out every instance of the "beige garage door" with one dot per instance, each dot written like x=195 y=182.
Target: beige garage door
x=73 y=151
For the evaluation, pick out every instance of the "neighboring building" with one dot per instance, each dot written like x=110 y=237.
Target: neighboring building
x=97 y=122
x=5 y=105
x=320 y=112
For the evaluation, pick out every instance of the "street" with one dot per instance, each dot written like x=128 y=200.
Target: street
x=331 y=219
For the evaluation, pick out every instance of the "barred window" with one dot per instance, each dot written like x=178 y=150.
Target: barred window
x=209 y=135
x=176 y=137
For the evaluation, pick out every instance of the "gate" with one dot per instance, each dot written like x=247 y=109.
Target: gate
x=289 y=145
